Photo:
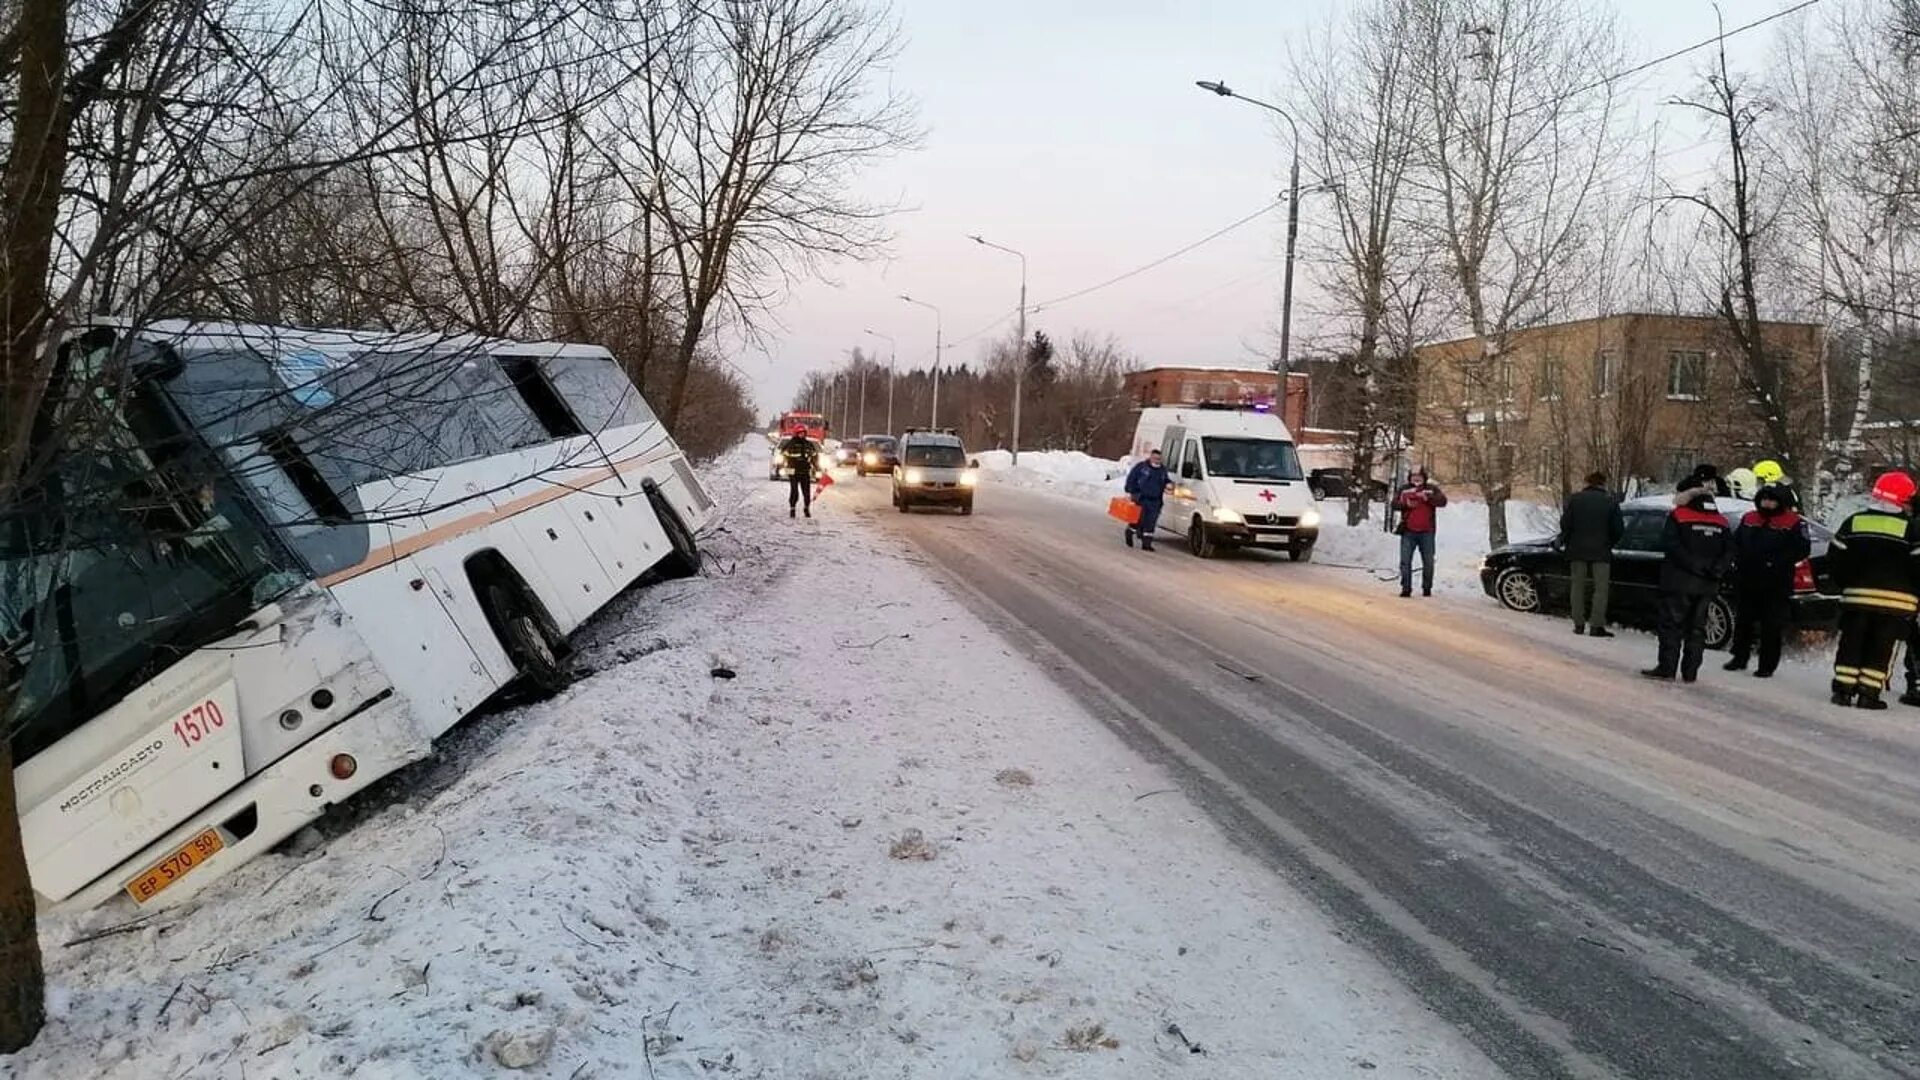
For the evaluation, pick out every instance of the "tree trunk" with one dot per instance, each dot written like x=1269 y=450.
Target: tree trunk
x=1496 y=521
x=36 y=162
x=22 y=1008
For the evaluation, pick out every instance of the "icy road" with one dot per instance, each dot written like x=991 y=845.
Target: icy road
x=1586 y=875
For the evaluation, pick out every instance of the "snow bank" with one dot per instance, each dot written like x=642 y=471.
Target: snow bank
x=802 y=817
x=1461 y=545
x=1067 y=473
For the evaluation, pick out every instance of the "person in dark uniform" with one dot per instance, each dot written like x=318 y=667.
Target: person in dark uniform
x=1873 y=560
x=799 y=454
x=1699 y=550
x=1772 y=539
x=1704 y=477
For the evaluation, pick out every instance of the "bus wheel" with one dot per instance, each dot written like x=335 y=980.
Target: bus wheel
x=684 y=560
x=525 y=639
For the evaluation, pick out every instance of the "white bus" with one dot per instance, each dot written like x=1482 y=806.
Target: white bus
x=252 y=570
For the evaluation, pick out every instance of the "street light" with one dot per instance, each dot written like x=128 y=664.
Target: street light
x=891 y=351
x=1019 y=353
x=933 y=420
x=1293 y=229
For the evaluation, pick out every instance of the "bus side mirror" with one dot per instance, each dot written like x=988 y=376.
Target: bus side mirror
x=973 y=464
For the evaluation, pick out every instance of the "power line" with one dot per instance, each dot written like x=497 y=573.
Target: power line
x=1162 y=260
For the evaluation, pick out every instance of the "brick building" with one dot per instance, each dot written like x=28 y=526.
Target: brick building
x=1168 y=386
x=1639 y=396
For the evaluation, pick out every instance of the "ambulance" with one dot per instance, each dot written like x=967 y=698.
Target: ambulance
x=1237 y=480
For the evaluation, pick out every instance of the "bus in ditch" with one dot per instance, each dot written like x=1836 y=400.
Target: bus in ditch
x=250 y=570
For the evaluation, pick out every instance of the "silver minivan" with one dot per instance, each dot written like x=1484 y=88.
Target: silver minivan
x=934 y=471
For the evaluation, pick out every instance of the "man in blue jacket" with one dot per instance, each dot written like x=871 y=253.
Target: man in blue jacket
x=1147 y=485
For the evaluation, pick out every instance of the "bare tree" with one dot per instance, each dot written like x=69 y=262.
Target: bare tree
x=750 y=128
x=1362 y=107
x=1744 y=216
x=1520 y=132
x=1848 y=89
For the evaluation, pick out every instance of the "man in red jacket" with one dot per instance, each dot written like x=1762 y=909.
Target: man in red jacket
x=1416 y=502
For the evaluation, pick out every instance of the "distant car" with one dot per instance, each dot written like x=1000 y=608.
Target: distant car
x=878 y=454
x=934 y=471
x=1533 y=575
x=847 y=453
x=1338 y=484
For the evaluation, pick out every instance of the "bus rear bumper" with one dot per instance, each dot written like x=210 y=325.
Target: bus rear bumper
x=274 y=803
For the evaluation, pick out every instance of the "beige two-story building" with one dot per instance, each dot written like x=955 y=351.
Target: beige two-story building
x=1638 y=396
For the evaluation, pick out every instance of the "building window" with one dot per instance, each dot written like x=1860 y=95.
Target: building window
x=1503 y=377
x=1686 y=374
x=1546 y=469
x=1547 y=381
x=1606 y=372
x=1680 y=463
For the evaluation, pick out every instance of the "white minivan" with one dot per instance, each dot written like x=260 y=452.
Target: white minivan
x=1237 y=480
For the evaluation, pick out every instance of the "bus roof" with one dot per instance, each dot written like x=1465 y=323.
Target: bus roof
x=334 y=344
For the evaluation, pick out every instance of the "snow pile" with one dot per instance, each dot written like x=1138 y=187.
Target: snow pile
x=802 y=817
x=1067 y=473
x=1460 y=542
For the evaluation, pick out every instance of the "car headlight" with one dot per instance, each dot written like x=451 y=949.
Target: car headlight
x=873 y=459
x=969 y=478
x=1230 y=517
x=914 y=476
x=1310 y=519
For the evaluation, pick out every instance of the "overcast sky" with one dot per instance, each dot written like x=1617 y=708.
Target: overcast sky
x=1071 y=130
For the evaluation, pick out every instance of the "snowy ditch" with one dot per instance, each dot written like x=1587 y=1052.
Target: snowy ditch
x=832 y=864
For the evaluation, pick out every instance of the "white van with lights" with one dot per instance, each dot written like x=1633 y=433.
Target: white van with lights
x=1237 y=480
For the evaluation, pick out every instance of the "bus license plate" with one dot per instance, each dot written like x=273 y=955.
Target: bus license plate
x=175 y=866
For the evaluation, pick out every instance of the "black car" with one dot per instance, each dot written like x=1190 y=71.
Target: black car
x=1533 y=575
x=878 y=454
x=1338 y=484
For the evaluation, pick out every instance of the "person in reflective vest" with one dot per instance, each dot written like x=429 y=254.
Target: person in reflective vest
x=1873 y=559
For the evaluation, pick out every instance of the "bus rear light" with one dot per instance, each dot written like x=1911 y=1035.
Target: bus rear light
x=343 y=767
x=1803 y=580
x=290 y=720
x=321 y=699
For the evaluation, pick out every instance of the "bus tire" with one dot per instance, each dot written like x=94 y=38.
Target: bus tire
x=683 y=560
x=524 y=636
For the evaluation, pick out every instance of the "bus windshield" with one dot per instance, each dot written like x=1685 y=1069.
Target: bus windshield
x=118 y=558
x=1252 y=459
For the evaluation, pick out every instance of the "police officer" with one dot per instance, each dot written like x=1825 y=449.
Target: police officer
x=1873 y=560
x=799 y=453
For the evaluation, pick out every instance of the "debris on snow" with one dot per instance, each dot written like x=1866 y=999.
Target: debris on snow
x=520 y=1049
x=1013 y=778
x=911 y=844
x=1088 y=1037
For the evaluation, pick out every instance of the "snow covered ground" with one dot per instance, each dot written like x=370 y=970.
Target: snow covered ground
x=1463 y=523
x=884 y=847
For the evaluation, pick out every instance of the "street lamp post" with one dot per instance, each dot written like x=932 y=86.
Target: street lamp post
x=863 y=397
x=892 y=351
x=1293 y=231
x=933 y=418
x=1020 y=351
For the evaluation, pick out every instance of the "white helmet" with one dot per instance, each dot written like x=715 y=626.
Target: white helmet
x=1743 y=484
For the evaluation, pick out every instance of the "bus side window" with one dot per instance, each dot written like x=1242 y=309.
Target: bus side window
x=299 y=468
x=601 y=394
x=538 y=392
x=1171 y=455
x=1193 y=455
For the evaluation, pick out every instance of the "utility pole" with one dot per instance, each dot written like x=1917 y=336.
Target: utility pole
x=1293 y=233
x=1020 y=353
x=933 y=418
